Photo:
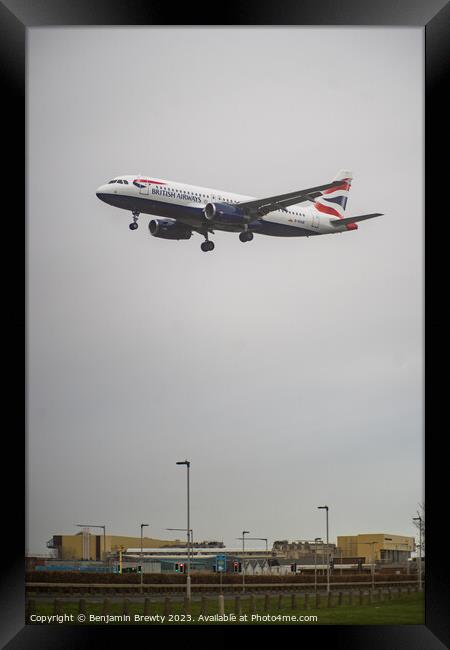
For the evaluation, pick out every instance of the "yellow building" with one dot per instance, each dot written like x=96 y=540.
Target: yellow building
x=86 y=546
x=378 y=547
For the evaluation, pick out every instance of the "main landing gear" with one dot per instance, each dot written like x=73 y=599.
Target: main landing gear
x=134 y=224
x=246 y=235
x=207 y=246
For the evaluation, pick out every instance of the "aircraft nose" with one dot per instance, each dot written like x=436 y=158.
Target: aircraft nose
x=101 y=191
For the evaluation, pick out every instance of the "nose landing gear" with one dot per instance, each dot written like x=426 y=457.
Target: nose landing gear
x=246 y=235
x=134 y=224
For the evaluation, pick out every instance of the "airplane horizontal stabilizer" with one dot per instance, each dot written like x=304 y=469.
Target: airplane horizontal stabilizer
x=362 y=217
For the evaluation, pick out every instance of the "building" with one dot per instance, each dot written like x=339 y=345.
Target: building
x=377 y=547
x=163 y=560
x=86 y=546
x=302 y=549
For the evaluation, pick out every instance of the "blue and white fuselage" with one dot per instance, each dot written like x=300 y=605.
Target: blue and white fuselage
x=182 y=209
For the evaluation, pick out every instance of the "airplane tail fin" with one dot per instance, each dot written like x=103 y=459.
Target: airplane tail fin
x=334 y=200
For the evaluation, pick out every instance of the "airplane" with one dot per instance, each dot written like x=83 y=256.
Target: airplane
x=181 y=210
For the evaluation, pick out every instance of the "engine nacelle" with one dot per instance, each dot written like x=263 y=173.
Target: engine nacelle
x=169 y=229
x=224 y=213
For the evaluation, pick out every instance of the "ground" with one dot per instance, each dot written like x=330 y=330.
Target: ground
x=406 y=609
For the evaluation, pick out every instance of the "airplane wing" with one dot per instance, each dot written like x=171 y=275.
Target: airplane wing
x=362 y=217
x=261 y=207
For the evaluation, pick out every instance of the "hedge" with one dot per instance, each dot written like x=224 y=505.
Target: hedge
x=199 y=578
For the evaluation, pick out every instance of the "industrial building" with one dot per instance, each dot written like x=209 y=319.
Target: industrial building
x=159 y=560
x=86 y=546
x=163 y=555
x=377 y=547
x=302 y=549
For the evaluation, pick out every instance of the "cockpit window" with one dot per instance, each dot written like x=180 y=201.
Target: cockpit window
x=125 y=182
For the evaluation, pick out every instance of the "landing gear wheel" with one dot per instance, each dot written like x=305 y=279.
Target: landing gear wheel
x=245 y=236
x=249 y=236
x=134 y=225
x=207 y=246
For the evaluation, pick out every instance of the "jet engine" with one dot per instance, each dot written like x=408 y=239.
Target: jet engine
x=224 y=213
x=169 y=229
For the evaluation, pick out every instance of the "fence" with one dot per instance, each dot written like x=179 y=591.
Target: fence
x=285 y=600
x=131 y=588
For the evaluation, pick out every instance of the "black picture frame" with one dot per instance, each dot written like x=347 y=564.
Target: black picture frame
x=16 y=16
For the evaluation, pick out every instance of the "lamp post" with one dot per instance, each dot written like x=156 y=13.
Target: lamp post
x=328 y=548
x=142 y=564
x=244 y=532
x=372 y=553
x=184 y=529
x=372 y=558
x=419 y=519
x=188 y=529
x=104 y=535
x=262 y=539
x=191 y=532
x=316 y=539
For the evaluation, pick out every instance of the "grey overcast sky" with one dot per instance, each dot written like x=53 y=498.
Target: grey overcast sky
x=288 y=371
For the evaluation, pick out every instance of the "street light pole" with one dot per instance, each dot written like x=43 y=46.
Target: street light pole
x=373 y=564
x=188 y=577
x=262 y=539
x=244 y=532
x=267 y=553
x=142 y=564
x=328 y=549
x=372 y=558
x=419 y=519
x=316 y=539
x=191 y=534
x=324 y=559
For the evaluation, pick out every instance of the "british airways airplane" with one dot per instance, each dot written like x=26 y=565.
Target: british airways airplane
x=182 y=209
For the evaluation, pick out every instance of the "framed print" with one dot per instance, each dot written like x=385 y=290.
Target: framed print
x=225 y=412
